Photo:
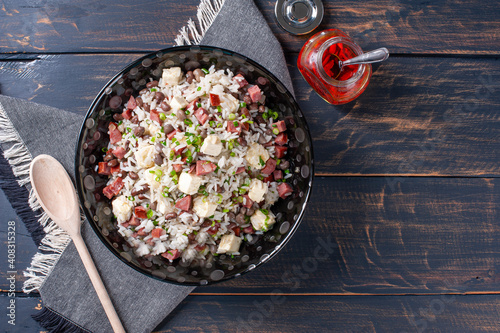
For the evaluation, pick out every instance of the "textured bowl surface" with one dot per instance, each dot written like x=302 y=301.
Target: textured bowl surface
x=93 y=138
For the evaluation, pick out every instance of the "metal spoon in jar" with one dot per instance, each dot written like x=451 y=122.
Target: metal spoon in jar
x=367 y=58
x=57 y=196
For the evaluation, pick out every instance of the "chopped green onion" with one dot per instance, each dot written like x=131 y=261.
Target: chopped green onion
x=154 y=89
x=232 y=116
x=188 y=122
x=232 y=154
x=187 y=112
x=164 y=143
x=243 y=105
x=158 y=172
x=242 y=191
x=104 y=149
x=131 y=198
x=276 y=131
x=128 y=129
x=205 y=70
x=155 y=223
x=153 y=139
x=278 y=161
x=287 y=171
x=120 y=122
x=158 y=178
x=149 y=214
x=212 y=123
x=199 y=88
x=225 y=210
x=198 y=105
x=250 y=122
x=219 y=109
x=261 y=161
x=235 y=123
x=265 y=116
x=265 y=211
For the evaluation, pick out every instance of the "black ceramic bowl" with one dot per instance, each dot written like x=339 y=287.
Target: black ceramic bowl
x=93 y=138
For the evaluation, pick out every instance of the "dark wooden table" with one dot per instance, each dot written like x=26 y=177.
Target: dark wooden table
x=407 y=176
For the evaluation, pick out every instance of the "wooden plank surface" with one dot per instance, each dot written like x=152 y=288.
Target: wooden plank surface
x=410 y=27
x=419 y=116
x=272 y=313
x=425 y=236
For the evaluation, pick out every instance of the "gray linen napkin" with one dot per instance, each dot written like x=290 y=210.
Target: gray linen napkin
x=141 y=302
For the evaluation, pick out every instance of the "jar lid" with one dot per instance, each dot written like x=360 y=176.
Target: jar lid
x=299 y=17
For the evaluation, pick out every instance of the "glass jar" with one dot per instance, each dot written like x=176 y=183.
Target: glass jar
x=318 y=64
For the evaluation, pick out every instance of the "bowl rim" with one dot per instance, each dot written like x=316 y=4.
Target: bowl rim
x=79 y=182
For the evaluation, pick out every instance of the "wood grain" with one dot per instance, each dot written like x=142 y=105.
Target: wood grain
x=419 y=116
x=438 y=27
x=439 y=313
x=428 y=235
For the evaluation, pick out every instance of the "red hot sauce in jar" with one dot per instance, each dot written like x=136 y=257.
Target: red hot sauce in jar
x=319 y=65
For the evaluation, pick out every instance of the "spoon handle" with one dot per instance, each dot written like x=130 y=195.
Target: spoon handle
x=369 y=57
x=97 y=283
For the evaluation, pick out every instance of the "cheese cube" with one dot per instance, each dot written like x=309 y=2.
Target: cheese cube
x=188 y=183
x=228 y=102
x=150 y=177
x=229 y=244
x=257 y=190
x=178 y=102
x=261 y=221
x=257 y=156
x=122 y=209
x=204 y=208
x=172 y=76
x=144 y=156
x=164 y=206
x=212 y=145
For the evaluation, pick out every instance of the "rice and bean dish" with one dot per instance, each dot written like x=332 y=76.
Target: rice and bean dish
x=194 y=163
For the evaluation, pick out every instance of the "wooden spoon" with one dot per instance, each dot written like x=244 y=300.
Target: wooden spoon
x=57 y=196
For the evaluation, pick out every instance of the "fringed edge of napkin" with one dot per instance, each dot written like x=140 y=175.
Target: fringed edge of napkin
x=55 y=240
x=206 y=14
x=56 y=322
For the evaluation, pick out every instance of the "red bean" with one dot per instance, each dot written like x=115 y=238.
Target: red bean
x=262 y=109
x=170 y=216
x=189 y=77
x=152 y=84
x=115 y=102
x=138 y=101
x=114 y=162
x=117 y=116
x=159 y=96
x=165 y=106
x=133 y=175
x=198 y=73
x=140 y=190
x=139 y=131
